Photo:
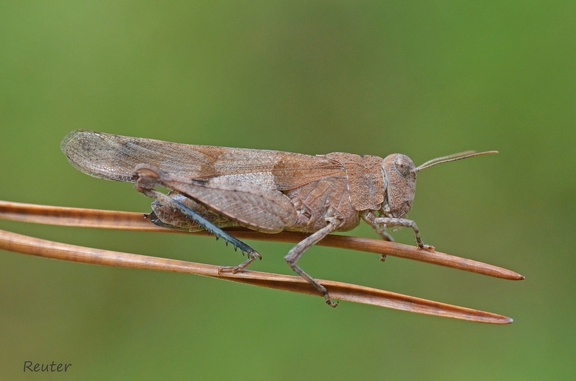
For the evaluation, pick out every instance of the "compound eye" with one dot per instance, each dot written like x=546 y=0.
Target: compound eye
x=403 y=166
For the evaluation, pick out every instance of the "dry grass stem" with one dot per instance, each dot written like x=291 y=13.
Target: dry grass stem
x=135 y=221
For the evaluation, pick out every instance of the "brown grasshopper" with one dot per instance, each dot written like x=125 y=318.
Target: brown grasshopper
x=212 y=188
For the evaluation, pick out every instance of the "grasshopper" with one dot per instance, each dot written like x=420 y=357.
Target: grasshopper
x=213 y=188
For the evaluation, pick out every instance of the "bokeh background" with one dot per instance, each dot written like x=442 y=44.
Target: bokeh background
x=368 y=77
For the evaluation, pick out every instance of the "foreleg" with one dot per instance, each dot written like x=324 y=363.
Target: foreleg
x=379 y=224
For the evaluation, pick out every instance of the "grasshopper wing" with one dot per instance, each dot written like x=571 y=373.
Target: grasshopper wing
x=114 y=157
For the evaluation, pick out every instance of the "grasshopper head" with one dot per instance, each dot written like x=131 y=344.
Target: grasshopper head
x=400 y=172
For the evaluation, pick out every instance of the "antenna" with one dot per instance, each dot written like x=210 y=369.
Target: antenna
x=453 y=157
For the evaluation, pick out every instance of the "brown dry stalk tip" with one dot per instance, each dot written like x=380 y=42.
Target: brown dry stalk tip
x=341 y=291
x=118 y=220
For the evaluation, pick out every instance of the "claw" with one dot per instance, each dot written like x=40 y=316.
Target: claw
x=236 y=269
x=330 y=302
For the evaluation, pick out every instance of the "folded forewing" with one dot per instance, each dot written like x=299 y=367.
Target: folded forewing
x=114 y=157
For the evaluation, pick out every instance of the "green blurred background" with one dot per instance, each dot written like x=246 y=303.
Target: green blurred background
x=421 y=78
